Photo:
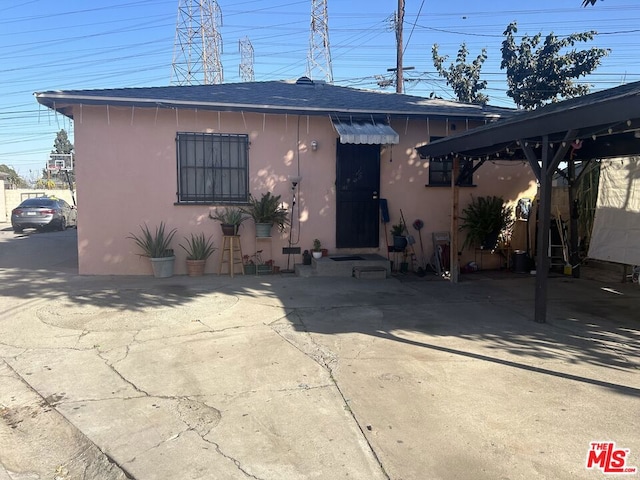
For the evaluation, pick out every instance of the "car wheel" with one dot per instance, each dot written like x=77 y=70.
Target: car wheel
x=63 y=224
x=18 y=229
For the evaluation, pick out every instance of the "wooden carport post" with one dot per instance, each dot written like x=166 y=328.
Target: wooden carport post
x=548 y=167
x=574 y=258
x=454 y=267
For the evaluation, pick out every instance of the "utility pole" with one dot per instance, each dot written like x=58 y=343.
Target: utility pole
x=246 y=60
x=319 y=57
x=198 y=43
x=399 y=47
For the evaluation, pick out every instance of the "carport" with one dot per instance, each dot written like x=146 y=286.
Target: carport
x=596 y=126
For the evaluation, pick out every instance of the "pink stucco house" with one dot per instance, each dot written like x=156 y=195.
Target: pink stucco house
x=174 y=154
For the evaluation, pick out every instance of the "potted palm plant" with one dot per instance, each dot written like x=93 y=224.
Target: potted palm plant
x=266 y=212
x=157 y=247
x=230 y=219
x=198 y=249
x=485 y=219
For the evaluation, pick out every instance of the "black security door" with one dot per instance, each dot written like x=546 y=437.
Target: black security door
x=357 y=193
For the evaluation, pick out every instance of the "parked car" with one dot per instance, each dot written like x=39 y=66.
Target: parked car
x=43 y=212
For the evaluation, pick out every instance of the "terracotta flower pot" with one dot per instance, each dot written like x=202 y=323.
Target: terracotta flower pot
x=195 y=268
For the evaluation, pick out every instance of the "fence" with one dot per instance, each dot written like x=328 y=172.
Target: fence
x=12 y=198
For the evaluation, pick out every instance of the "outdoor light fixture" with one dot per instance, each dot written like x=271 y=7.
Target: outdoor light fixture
x=314 y=145
x=295 y=180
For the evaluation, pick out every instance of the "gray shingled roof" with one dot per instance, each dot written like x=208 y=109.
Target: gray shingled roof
x=310 y=98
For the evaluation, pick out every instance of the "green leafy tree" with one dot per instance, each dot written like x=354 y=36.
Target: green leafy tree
x=538 y=72
x=13 y=179
x=463 y=77
x=64 y=146
x=62 y=143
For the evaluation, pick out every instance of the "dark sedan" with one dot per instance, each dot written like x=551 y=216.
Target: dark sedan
x=43 y=212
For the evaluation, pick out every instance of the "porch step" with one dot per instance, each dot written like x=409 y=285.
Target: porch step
x=365 y=265
x=370 y=272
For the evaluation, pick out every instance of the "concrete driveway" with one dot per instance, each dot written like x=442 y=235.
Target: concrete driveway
x=278 y=377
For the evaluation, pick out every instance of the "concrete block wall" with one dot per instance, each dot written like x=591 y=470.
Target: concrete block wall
x=12 y=198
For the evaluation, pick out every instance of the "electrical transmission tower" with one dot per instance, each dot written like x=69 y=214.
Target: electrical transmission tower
x=246 y=60
x=198 y=43
x=319 y=58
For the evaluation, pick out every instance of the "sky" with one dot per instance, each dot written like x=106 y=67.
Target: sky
x=74 y=44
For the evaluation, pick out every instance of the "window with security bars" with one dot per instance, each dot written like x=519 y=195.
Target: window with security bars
x=440 y=172
x=212 y=167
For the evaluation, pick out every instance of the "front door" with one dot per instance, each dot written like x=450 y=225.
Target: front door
x=357 y=195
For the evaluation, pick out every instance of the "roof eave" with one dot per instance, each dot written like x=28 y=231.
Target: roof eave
x=531 y=125
x=60 y=101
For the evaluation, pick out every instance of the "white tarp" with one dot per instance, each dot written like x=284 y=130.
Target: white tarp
x=616 y=227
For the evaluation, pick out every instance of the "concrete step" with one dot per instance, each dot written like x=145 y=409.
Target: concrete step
x=344 y=266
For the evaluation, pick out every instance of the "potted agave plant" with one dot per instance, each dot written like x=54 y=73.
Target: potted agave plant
x=198 y=249
x=157 y=246
x=230 y=219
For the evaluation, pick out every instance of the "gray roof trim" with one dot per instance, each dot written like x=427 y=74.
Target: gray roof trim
x=264 y=108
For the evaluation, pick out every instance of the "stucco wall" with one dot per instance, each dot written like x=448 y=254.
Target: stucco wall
x=127 y=176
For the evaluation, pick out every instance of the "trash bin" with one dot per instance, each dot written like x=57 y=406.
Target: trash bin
x=520 y=261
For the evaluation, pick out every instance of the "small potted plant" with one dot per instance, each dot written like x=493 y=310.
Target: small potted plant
x=266 y=212
x=157 y=247
x=399 y=238
x=316 y=251
x=198 y=249
x=230 y=219
x=248 y=265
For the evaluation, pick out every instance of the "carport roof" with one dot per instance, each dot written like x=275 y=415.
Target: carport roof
x=605 y=122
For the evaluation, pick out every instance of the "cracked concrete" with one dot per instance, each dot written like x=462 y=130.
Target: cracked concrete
x=277 y=378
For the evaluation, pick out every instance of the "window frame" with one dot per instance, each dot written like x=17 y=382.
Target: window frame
x=212 y=168
x=444 y=171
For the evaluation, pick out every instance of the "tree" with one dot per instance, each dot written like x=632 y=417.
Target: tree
x=538 y=74
x=62 y=143
x=13 y=179
x=463 y=77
